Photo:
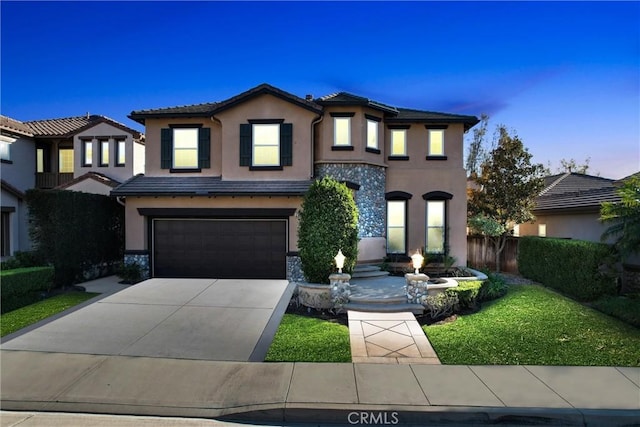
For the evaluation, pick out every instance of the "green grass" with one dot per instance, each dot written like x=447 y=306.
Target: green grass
x=624 y=308
x=533 y=325
x=306 y=339
x=15 y=320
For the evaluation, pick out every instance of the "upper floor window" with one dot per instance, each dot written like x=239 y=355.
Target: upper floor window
x=398 y=142
x=65 y=161
x=120 y=152
x=372 y=134
x=185 y=148
x=87 y=153
x=104 y=153
x=266 y=144
x=342 y=131
x=5 y=150
x=436 y=142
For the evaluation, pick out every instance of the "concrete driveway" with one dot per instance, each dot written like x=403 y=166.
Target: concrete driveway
x=204 y=319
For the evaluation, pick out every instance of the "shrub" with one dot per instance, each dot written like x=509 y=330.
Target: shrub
x=130 y=273
x=573 y=267
x=328 y=222
x=624 y=308
x=493 y=288
x=75 y=231
x=24 y=286
x=23 y=259
x=440 y=305
x=467 y=293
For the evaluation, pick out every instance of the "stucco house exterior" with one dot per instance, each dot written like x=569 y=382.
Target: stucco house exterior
x=224 y=181
x=17 y=162
x=91 y=153
x=569 y=207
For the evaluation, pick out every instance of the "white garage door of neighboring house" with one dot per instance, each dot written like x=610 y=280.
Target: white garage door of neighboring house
x=220 y=248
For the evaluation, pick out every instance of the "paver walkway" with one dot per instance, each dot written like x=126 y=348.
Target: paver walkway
x=392 y=338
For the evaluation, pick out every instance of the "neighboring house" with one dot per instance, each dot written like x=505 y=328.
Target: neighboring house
x=86 y=153
x=225 y=180
x=17 y=157
x=569 y=207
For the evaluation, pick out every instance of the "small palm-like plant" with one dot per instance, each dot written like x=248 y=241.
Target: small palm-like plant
x=624 y=218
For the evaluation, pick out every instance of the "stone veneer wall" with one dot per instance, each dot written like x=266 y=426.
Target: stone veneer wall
x=294 y=269
x=140 y=257
x=369 y=198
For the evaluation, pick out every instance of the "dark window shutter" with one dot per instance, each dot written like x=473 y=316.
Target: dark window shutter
x=166 y=148
x=286 y=144
x=204 y=148
x=245 y=144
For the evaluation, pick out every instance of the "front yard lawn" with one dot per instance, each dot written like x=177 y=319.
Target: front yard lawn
x=533 y=325
x=14 y=320
x=307 y=339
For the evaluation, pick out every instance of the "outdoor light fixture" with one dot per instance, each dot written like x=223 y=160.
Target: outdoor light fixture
x=340 y=260
x=417 y=259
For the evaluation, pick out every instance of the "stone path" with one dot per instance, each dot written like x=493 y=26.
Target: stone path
x=391 y=338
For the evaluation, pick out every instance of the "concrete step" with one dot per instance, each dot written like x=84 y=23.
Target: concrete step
x=365 y=268
x=386 y=308
x=398 y=299
x=369 y=274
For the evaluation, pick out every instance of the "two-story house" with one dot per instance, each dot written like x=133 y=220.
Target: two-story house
x=89 y=153
x=224 y=181
x=17 y=160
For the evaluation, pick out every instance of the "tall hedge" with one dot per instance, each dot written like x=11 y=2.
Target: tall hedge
x=573 y=267
x=74 y=231
x=328 y=222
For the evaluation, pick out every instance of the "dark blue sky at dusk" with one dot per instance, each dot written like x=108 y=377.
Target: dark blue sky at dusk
x=564 y=75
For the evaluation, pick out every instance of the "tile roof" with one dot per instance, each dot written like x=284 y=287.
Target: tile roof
x=141 y=185
x=14 y=126
x=575 y=191
x=96 y=176
x=211 y=108
x=68 y=126
x=393 y=114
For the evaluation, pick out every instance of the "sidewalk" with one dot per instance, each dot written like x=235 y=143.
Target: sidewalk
x=320 y=393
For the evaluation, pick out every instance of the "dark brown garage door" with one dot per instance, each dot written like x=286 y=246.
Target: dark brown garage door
x=223 y=249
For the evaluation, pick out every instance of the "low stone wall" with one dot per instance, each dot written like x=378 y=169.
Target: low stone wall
x=294 y=269
x=142 y=259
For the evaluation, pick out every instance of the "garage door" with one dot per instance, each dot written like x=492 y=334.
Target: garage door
x=224 y=249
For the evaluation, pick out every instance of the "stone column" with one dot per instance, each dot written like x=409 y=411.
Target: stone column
x=340 y=290
x=416 y=287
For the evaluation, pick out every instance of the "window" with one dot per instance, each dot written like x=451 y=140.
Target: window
x=65 y=163
x=372 y=134
x=516 y=230
x=5 y=150
x=396 y=226
x=342 y=131
x=87 y=153
x=398 y=142
x=185 y=148
x=120 y=152
x=542 y=230
x=266 y=145
x=6 y=234
x=40 y=160
x=104 y=153
x=436 y=142
x=435 y=226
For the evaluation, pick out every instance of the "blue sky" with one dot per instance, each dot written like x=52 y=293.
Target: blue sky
x=564 y=75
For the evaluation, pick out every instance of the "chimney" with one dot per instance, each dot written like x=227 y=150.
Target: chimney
x=309 y=97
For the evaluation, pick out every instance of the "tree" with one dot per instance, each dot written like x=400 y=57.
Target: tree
x=572 y=166
x=624 y=218
x=507 y=187
x=328 y=222
x=477 y=153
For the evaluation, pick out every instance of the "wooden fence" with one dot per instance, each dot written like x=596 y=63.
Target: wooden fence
x=508 y=258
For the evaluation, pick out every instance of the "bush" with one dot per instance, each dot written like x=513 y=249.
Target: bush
x=441 y=305
x=624 y=308
x=75 y=231
x=24 y=286
x=130 y=273
x=328 y=222
x=493 y=288
x=467 y=293
x=23 y=260
x=573 y=267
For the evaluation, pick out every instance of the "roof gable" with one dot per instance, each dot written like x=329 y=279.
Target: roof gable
x=96 y=176
x=66 y=127
x=13 y=126
x=575 y=191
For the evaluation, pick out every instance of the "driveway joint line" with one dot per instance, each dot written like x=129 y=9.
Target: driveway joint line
x=487 y=386
x=550 y=388
x=420 y=385
x=624 y=375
